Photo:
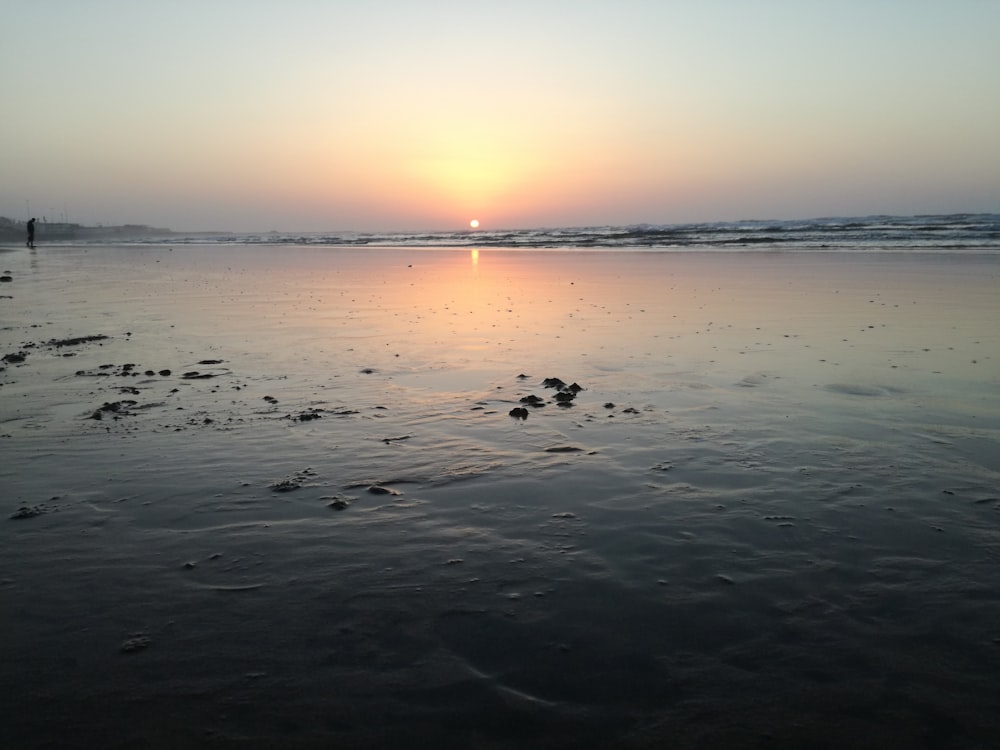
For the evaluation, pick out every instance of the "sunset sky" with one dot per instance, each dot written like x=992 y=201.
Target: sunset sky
x=317 y=115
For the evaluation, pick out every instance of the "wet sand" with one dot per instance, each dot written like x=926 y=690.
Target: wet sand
x=276 y=497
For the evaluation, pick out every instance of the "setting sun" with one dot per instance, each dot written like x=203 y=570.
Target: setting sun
x=474 y=223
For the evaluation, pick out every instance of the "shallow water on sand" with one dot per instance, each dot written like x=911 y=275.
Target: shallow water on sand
x=769 y=517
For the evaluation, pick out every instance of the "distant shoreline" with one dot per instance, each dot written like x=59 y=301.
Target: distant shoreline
x=11 y=230
x=951 y=232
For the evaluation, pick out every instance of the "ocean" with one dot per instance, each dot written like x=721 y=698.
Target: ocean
x=973 y=233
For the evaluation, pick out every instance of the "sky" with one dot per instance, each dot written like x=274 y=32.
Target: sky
x=381 y=115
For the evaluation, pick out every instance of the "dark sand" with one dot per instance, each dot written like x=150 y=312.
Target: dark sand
x=273 y=498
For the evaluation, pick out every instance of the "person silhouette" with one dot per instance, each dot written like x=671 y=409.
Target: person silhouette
x=31 y=233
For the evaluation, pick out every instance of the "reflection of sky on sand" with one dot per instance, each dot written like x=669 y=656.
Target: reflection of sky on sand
x=647 y=319
x=437 y=338
x=813 y=318
x=811 y=448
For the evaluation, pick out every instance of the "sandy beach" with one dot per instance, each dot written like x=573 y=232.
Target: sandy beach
x=311 y=497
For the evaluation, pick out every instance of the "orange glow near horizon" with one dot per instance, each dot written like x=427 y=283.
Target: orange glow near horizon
x=420 y=120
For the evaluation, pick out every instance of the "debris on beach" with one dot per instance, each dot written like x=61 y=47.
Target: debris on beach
x=116 y=408
x=19 y=357
x=28 y=511
x=127 y=370
x=564 y=396
x=75 y=341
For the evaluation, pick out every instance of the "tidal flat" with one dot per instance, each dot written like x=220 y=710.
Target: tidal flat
x=307 y=497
